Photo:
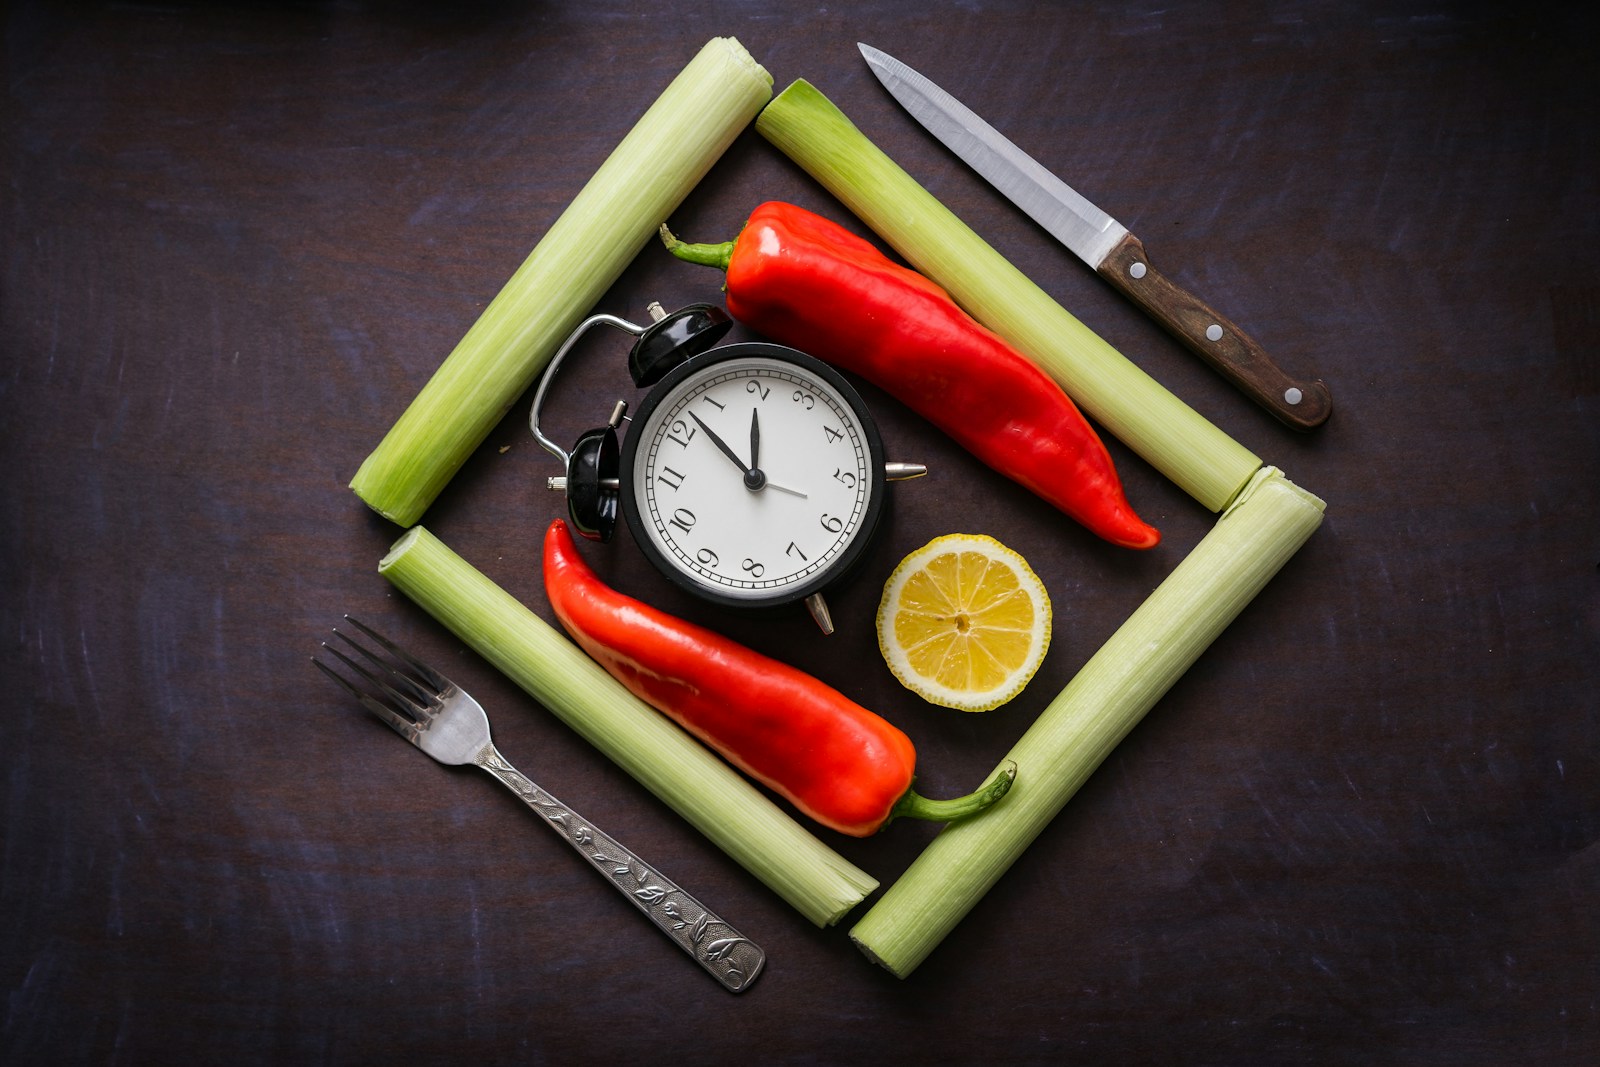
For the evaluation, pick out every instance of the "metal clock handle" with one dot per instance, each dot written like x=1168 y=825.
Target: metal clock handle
x=668 y=339
x=550 y=372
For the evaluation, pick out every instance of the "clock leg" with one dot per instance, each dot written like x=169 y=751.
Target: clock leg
x=818 y=608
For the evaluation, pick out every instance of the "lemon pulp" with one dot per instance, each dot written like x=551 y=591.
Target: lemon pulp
x=964 y=622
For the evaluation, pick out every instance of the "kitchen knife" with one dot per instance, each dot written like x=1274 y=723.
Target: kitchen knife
x=1103 y=243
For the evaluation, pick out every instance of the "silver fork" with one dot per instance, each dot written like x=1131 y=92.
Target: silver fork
x=437 y=716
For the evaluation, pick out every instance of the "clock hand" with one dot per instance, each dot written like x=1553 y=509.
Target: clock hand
x=786 y=489
x=720 y=443
x=754 y=479
x=755 y=440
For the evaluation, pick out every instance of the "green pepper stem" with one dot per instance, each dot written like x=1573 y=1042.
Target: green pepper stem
x=706 y=255
x=914 y=806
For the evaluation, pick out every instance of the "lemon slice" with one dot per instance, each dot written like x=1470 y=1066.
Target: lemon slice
x=964 y=622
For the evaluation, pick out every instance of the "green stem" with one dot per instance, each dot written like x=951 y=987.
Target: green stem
x=914 y=806
x=705 y=255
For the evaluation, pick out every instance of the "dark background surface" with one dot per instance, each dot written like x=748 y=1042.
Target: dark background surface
x=237 y=238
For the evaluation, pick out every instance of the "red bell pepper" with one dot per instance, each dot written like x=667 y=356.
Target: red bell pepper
x=837 y=762
x=807 y=282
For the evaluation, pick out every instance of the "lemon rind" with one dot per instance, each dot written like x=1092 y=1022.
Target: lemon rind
x=895 y=655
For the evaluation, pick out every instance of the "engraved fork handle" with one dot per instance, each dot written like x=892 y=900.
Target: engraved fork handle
x=728 y=956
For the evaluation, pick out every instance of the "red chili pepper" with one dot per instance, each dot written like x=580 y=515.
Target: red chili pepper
x=839 y=763
x=809 y=283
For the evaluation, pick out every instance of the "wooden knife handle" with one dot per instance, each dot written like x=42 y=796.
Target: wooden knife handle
x=1303 y=405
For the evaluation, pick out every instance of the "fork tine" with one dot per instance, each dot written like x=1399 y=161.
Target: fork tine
x=423 y=680
x=336 y=676
x=402 y=725
x=419 y=705
x=377 y=687
x=438 y=681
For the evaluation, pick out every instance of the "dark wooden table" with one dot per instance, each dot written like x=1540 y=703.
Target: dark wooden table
x=237 y=238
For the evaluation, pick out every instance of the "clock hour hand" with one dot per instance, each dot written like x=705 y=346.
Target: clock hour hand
x=763 y=482
x=755 y=458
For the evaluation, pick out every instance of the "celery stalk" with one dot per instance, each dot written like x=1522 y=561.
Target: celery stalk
x=688 y=777
x=655 y=166
x=1268 y=523
x=1171 y=436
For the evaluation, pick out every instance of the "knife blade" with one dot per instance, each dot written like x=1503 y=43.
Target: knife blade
x=1104 y=244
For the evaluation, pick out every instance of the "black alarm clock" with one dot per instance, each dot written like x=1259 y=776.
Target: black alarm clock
x=752 y=475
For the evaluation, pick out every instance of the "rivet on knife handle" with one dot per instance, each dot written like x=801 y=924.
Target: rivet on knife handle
x=1303 y=405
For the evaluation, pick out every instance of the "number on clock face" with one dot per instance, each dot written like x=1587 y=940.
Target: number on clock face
x=752 y=476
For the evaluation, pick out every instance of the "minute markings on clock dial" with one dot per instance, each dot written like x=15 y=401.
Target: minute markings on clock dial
x=710 y=509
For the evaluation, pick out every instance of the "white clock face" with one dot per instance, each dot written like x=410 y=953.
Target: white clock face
x=752 y=478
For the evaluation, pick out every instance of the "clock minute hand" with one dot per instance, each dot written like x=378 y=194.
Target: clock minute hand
x=755 y=439
x=720 y=443
x=755 y=479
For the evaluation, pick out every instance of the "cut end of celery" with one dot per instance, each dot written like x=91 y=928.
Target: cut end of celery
x=866 y=950
x=1270 y=475
x=399 y=548
x=741 y=59
x=399 y=512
